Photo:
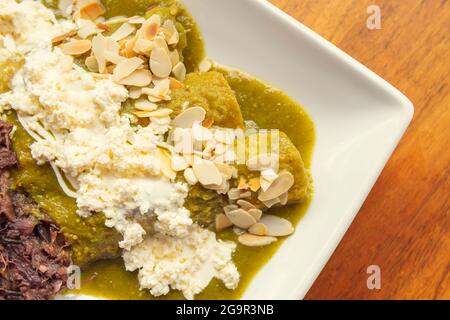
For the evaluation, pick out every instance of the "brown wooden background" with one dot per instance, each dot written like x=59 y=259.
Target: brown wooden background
x=404 y=226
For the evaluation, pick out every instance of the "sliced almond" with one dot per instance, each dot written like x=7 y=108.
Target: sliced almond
x=284 y=198
x=254 y=184
x=222 y=222
x=229 y=208
x=76 y=47
x=242 y=185
x=281 y=185
x=234 y=194
x=205 y=66
x=135 y=93
x=190 y=177
x=225 y=169
x=258 y=229
x=174 y=35
x=179 y=71
x=207 y=123
x=189 y=117
x=160 y=63
x=251 y=240
x=175 y=84
x=124 y=31
x=179 y=163
x=91 y=10
x=127 y=67
x=207 y=172
x=160 y=113
x=99 y=46
x=244 y=195
x=145 y=105
x=245 y=205
x=114 y=57
x=149 y=30
x=87 y=28
x=271 y=203
x=91 y=64
x=136 y=20
x=264 y=184
x=174 y=57
x=103 y=27
x=276 y=226
x=241 y=218
x=160 y=42
x=63 y=37
x=139 y=78
x=165 y=165
x=112 y=45
x=143 y=46
x=256 y=213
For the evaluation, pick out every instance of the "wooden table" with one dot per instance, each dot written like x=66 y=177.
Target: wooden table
x=404 y=226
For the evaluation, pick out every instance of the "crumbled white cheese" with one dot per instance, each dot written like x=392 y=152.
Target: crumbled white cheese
x=187 y=264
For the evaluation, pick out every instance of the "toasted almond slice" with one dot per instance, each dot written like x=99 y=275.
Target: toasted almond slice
x=91 y=10
x=63 y=37
x=160 y=63
x=241 y=218
x=143 y=46
x=234 y=194
x=244 y=195
x=155 y=18
x=136 y=20
x=251 y=240
x=175 y=84
x=258 y=229
x=91 y=64
x=265 y=184
x=281 y=185
x=160 y=42
x=165 y=165
x=225 y=169
x=174 y=57
x=189 y=117
x=179 y=163
x=254 y=184
x=87 y=28
x=112 y=45
x=160 y=113
x=103 y=27
x=145 y=105
x=222 y=222
x=256 y=213
x=242 y=185
x=208 y=122
x=117 y=20
x=76 y=47
x=276 y=226
x=124 y=31
x=149 y=30
x=179 y=71
x=190 y=177
x=174 y=35
x=99 y=45
x=113 y=57
x=207 y=172
x=205 y=66
x=231 y=207
x=271 y=203
x=284 y=198
x=127 y=67
x=245 y=205
x=139 y=78
x=135 y=93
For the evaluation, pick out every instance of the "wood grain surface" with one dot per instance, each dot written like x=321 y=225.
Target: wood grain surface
x=404 y=226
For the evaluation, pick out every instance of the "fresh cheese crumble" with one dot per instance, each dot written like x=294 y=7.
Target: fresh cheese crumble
x=113 y=167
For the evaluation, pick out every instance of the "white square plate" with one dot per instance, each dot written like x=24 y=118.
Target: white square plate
x=359 y=119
